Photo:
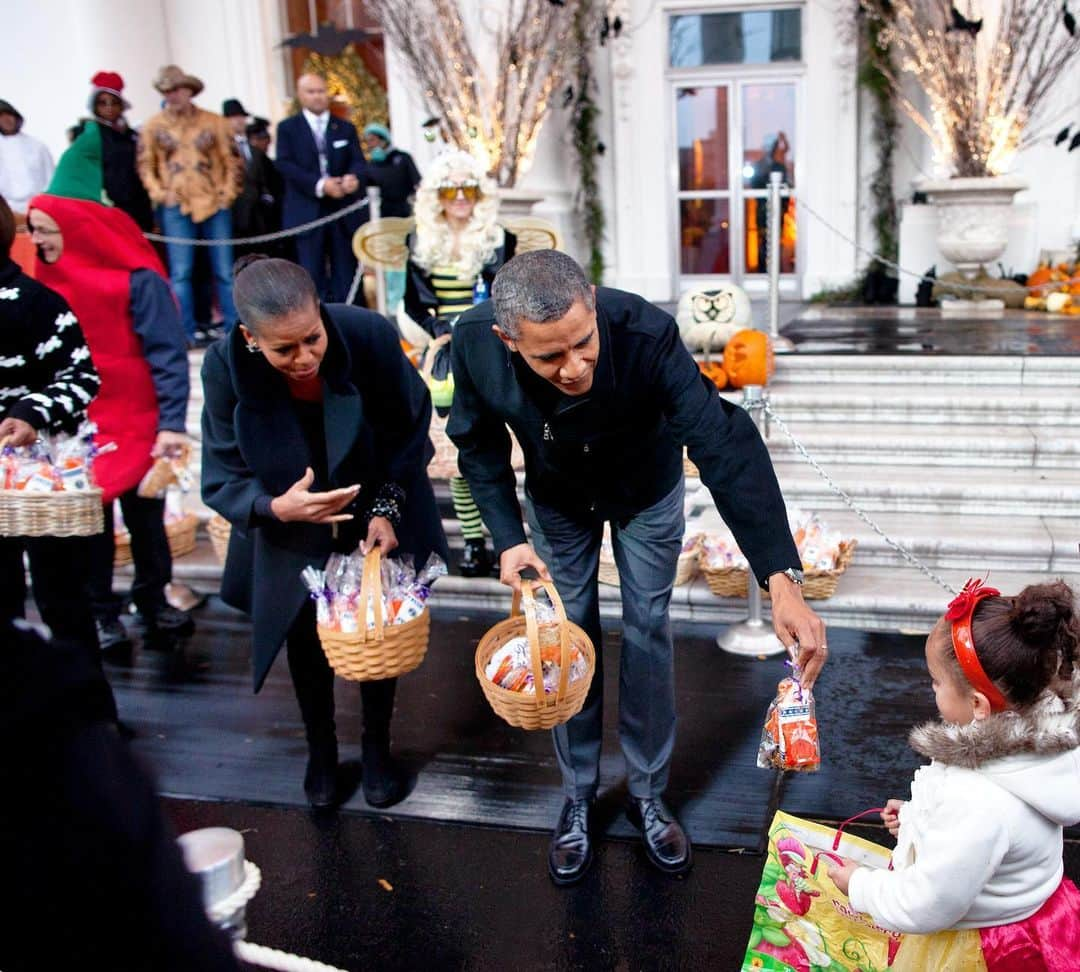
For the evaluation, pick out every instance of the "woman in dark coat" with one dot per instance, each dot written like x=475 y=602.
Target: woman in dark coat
x=315 y=438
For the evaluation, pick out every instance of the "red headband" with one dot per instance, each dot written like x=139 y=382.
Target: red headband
x=960 y=612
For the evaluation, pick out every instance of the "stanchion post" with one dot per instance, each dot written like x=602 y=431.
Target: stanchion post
x=752 y=636
x=780 y=343
x=374 y=212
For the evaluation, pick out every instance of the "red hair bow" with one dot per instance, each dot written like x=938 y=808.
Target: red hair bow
x=970 y=595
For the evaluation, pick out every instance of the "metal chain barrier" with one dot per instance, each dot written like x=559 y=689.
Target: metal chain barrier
x=265 y=237
x=922 y=278
x=763 y=403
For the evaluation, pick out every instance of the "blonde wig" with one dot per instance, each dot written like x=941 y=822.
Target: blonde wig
x=434 y=241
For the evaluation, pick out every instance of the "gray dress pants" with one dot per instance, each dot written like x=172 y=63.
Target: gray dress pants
x=646 y=553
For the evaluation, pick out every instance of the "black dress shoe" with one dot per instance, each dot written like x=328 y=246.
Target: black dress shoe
x=111 y=635
x=570 y=852
x=476 y=561
x=383 y=780
x=320 y=779
x=166 y=620
x=666 y=843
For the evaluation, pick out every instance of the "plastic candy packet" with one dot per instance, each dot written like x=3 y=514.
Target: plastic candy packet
x=510 y=666
x=789 y=738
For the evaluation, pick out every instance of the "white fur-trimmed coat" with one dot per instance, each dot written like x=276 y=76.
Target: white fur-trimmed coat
x=980 y=840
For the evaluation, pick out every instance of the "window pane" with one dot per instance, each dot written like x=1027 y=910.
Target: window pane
x=748 y=37
x=768 y=133
x=704 y=236
x=756 y=235
x=702 y=117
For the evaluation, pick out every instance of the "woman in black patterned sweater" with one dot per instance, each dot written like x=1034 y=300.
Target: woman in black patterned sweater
x=47 y=380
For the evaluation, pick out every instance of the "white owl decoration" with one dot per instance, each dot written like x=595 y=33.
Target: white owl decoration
x=709 y=318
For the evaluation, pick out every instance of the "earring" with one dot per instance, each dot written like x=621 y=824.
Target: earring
x=252 y=347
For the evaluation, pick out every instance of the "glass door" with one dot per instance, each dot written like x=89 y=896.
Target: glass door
x=703 y=128
x=766 y=145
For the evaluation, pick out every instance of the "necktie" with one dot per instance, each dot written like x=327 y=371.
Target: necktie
x=320 y=143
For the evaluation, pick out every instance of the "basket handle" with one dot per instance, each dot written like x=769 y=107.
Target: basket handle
x=371 y=590
x=429 y=355
x=524 y=599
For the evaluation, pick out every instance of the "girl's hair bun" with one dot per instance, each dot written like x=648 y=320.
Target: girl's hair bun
x=1039 y=611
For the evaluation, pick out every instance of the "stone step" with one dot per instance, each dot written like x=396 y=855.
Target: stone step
x=1042 y=407
x=868 y=596
x=845 y=370
x=944 y=490
x=963 y=446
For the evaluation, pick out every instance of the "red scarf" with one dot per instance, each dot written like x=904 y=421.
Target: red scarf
x=102 y=248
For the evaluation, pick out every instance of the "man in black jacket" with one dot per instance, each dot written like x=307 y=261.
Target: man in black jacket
x=602 y=395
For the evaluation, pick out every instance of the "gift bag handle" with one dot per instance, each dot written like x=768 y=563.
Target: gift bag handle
x=834 y=857
x=429 y=355
x=371 y=590
x=523 y=600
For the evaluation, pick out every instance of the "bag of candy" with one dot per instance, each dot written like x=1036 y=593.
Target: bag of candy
x=789 y=739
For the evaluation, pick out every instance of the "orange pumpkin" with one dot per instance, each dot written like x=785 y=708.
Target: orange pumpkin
x=714 y=371
x=748 y=359
x=1042 y=275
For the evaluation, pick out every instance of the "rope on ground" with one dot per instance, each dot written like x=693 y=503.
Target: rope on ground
x=847 y=500
x=921 y=277
x=265 y=237
x=272 y=958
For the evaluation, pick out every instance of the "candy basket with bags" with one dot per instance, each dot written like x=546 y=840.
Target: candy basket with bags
x=535 y=667
x=372 y=616
x=48 y=489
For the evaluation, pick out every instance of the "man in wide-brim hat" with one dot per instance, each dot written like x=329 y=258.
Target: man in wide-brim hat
x=171 y=77
x=190 y=165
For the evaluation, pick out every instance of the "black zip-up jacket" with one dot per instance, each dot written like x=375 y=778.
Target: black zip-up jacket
x=617 y=450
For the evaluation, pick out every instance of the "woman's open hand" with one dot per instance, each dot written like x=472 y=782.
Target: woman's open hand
x=300 y=505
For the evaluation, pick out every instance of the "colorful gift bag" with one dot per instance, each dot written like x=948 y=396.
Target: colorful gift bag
x=802 y=923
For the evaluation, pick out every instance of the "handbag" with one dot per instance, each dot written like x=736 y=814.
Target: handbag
x=802 y=922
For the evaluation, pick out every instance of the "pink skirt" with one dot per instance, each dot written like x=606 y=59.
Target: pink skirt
x=1048 y=941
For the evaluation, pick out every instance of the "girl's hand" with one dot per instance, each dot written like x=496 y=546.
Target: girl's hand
x=298 y=505
x=891 y=816
x=841 y=874
x=380 y=534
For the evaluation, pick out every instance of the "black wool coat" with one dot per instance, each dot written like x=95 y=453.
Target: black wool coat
x=376 y=415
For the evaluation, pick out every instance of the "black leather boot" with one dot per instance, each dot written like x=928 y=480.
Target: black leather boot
x=476 y=560
x=383 y=779
x=320 y=779
x=666 y=843
x=570 y=852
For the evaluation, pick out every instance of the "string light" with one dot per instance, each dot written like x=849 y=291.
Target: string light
x=986 y=88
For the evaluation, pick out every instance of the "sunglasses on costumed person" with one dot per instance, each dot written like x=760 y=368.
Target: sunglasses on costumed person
x=470 y=190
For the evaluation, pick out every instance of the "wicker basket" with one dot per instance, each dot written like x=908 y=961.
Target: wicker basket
x=685 y=570
x=165 y=471
x=377 y=652
x=219 y=530
x=538 y=710
x=65 y=513
x=180 y=533
x=818 y=584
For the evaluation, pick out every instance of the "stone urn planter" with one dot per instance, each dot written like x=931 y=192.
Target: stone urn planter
x=972 y=217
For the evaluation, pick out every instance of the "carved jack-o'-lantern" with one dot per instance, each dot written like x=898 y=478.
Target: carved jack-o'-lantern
x=748 y=359
x=708 y=318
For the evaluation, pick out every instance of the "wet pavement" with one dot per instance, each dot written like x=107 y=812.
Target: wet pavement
x=455 y=876
x=910 y=330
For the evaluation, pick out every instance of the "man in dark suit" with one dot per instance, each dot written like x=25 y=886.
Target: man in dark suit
x=320 y=159
x=257 y=208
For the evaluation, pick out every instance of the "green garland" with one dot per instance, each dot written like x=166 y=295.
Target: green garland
x=584 y=113
x=886 y=125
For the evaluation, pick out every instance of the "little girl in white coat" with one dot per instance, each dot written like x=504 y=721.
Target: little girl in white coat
x=978 y=858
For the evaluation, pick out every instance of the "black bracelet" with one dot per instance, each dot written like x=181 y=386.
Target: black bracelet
x=388 y=503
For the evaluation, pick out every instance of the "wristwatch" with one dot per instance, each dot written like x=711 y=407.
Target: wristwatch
x=793 y=574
